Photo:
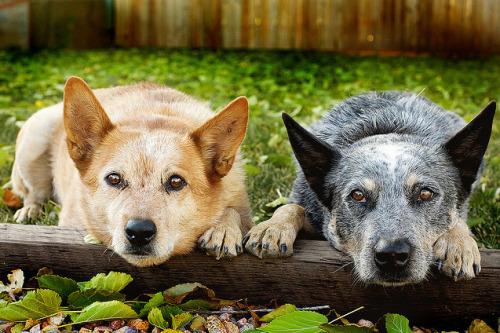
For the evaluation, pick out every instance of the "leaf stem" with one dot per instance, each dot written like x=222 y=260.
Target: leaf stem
x=345 y=315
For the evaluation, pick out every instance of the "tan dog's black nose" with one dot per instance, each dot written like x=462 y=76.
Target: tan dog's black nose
x=140 y=232
x=392 y=256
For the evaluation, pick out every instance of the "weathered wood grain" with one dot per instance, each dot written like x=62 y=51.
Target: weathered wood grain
x=315 y=275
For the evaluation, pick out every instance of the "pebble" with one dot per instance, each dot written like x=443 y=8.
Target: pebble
x=57 y=319
x=214 y=325
x=117 y=324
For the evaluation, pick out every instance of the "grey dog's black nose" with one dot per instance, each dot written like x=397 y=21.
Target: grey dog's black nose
x=392 y=256
x=140 y=232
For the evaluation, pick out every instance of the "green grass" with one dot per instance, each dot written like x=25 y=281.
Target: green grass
x=303 y=84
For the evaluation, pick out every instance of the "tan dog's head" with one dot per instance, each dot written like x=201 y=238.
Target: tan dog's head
x=149 y=192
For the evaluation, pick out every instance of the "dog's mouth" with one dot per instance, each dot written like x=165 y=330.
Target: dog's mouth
x=139 y=251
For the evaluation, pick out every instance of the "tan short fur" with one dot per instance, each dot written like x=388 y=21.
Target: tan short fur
x=146 y=133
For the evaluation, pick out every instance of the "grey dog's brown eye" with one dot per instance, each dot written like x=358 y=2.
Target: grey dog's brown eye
x=425 y=194
x=114 y=179
x=358 y=195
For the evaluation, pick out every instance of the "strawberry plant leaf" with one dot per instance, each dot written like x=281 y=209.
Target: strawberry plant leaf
x=81 y=299
x=155 y=302
x=36 y=304
x=177 y=293
x=155 y=317
x=17 y=328
x=347 y=328
x=282 y=310
x=180 y=320
x=395 y=323
x=104 y=311
x=114 y=281
x=195 y=304
x=61 y=285
x=297 y=321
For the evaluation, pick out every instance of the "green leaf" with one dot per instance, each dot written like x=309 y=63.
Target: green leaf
x=61 y=285
x=297 y=321
x=271 y=206
x=81 y=299
x=89 y=239
x=347 y=328
x=114 y=281
x=180 y=320
x=18 y=328
x=155 y=302
x=282 y=310
x=395 y=323
x=182 y=289
x=36 y=304
x=195 y=304
x=104 y=311
x=155 y=317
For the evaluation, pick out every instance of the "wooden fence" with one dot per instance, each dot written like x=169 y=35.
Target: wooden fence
x=434 y=26
x=363 y=26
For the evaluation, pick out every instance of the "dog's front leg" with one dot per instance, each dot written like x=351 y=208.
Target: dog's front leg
x=224 y=239
x=456 y=253
x=275 y=237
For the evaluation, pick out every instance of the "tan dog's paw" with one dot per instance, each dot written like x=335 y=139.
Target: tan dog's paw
x=456 y=254
x=27 y=213
x=223 y=240
x=275 y=237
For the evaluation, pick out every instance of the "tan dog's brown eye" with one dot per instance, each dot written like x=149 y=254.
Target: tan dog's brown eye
x=176 y=183
x=425 y=194
x=114 y=179
x=358 y=195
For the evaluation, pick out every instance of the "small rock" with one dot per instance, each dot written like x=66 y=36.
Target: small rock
x=117 y=324
x=140 y=324
x=123 y=329
x=247 y=327
x=130 y=329
x=50 y=329
x=241 y=322
x=102 y=329
x=214 y=325
x=84 y=330
x=364 y=322
x=91 y=326
x=35 y=329
x=225 y=316
x=197 y=323
x=227 y=308
x=57 y=319
x=231 y=327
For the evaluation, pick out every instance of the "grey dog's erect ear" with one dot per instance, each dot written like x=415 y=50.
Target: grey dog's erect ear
x=316 y=158
x=467 y=147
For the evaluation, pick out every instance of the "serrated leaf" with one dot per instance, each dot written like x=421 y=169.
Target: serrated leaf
x=177 y=293
x=155 y=302
x=89 y=239
x=155 y=317
x=297 y=321
x=17 y=328
x=114 y=281
x=195 y=304
x=36 y=304
x=104 y=311
x=180 y=320
x=395 y=323
x=81 y=299
x=479 y=326
x=347 y=328
x=3 y=303
x=280 y=311
x=61 y=285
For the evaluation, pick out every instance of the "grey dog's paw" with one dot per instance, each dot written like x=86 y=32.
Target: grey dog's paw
x=222 y=241
x=275 y=237
x=456 y=255
x=270 y=239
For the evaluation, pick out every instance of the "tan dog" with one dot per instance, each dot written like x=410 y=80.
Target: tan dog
x=150 y=176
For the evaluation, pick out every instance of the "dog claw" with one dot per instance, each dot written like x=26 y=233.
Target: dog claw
x=439 y=264
x=283 y=248
x=265 y=246
x=239 y=249
x=476 y=269
x=245 y=240
x=226 y=249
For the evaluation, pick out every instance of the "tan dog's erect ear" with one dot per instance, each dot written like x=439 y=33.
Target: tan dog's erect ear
x=85 y=121
x=220 y=137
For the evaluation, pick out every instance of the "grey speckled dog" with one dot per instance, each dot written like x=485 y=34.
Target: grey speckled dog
x=385 y=177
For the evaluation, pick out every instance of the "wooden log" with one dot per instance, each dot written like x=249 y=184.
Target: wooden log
x=315 y=275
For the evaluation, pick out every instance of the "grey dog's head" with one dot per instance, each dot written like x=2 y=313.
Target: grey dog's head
x=389 y=197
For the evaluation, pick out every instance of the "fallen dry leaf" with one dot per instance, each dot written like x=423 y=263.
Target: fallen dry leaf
x=11 y=200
